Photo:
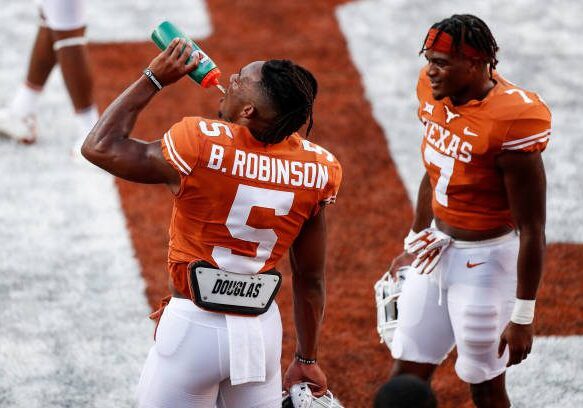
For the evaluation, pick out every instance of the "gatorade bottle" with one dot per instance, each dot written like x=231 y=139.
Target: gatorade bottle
x=207 y=73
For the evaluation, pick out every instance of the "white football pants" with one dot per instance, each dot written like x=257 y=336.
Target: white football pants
x=188 y=365
x=63 y=15
x=477 y=281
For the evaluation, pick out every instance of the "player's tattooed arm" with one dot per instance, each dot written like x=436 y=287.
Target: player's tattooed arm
x=109 y=146
x=308 y=256
x=525 y=183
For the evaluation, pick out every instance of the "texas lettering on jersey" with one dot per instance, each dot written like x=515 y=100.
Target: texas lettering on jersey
x=447 y=142
x=241 y=202
x=461 y=143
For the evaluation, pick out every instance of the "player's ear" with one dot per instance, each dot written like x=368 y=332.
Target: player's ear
x=248 y=111
x=476 y=64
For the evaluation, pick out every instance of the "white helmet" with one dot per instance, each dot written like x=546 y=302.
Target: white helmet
x=387 y=292
x=300 y=396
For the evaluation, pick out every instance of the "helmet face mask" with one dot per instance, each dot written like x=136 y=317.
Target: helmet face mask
x=300 y=396
x=387 y=293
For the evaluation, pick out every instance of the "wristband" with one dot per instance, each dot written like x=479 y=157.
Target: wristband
x=523 y=312
x=150 y=75
x=305 y=360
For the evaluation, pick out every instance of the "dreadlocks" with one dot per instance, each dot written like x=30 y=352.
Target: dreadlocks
x=471 y=30
x=292 y=89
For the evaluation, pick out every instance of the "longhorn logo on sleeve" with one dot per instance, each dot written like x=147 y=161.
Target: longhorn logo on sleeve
x=450 y=115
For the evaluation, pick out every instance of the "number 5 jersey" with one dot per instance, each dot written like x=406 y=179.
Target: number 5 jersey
x=241 y=202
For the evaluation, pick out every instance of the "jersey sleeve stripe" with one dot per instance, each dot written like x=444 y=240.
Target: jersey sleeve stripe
x=180 y=159
x=172 y=153
x=527 y=144
x=526 y=139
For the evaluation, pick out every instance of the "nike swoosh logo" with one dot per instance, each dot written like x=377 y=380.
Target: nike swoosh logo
x=473 y=265
x=468 y=132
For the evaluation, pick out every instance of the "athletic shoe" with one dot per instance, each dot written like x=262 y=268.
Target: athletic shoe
x=19 y=128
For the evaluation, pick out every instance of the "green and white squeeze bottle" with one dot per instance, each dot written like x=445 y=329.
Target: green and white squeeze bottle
x=207 y=73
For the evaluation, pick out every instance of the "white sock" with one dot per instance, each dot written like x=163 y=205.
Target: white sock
x=25 y=100
x=86 y=119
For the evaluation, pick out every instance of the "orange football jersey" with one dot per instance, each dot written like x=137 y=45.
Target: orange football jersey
x=461 y=143
x=241 y=202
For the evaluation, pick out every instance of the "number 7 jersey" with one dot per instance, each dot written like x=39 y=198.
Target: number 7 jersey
x=461 y=144
x=241 y=202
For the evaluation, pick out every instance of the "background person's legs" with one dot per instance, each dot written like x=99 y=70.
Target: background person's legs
x=67 y=20
x=18 y=119
x=42 y=59
x=73 y=57
x=60 y=39
x=70 y=48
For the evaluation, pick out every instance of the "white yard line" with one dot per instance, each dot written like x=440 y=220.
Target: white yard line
x=551 y=376
x=127 y=20
x=73 y=315
x=541 y=47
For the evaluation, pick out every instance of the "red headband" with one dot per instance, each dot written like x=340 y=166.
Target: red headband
x=444 y=44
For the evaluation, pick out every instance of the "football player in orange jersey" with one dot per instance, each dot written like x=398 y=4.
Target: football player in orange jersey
x=477 y=242
x=247 y=189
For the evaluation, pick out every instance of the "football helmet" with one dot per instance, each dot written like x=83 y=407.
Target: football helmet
x=387 y=293
x=300 y=396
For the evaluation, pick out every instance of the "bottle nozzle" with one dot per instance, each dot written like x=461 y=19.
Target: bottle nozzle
x=221 y=88
x=211 y=78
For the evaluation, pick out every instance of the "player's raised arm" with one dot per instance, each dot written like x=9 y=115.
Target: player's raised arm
x=109 y=146
x=308 y=256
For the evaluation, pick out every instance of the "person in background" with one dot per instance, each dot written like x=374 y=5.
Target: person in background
x=60 y=40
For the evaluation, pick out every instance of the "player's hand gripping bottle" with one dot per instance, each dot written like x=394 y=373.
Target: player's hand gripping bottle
x=207 y=73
